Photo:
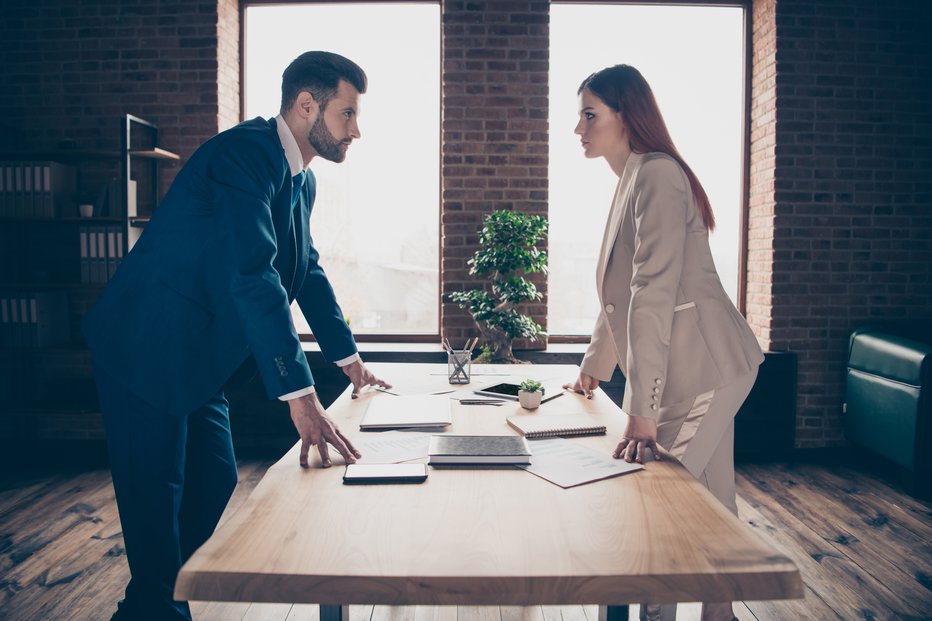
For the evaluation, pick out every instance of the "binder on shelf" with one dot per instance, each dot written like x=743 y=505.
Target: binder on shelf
x=8 y=196
x=33 y=334
x=101 y=251
x=18 y=190
x=14 y=322
x=119 y=245
x=32 y=189
x=28 y=210
x=111 y=252
x=5 y=320
x=36 y=319
x=91 y=254
x=39 y=200
x=101 y=266
x=18 y=305
x=85 y=259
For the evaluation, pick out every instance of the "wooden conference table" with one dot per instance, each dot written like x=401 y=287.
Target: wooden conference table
x=483 y=536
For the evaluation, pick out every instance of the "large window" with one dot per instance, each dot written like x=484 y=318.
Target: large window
x=693 y=58
x=376 y=218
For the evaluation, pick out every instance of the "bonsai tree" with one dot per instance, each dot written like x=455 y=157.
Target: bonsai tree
x=508 y=248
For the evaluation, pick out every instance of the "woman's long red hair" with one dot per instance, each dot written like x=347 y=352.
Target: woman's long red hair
x=624 y=90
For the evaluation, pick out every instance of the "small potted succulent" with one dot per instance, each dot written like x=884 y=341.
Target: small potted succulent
x=530 y=393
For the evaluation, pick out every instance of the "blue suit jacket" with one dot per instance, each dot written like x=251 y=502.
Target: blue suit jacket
x=210 y=281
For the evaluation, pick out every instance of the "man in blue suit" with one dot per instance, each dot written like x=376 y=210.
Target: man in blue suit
x=206 y=290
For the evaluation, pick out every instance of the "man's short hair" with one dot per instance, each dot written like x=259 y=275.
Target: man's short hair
x=319 y=73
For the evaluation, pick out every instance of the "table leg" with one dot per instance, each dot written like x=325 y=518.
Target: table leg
x=336 y=612
x=609 y=613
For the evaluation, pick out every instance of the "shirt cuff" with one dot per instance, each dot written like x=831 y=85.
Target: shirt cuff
x=297 y=393
x=348 y=360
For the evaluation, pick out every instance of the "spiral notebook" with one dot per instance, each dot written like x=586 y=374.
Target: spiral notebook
x=556 y=425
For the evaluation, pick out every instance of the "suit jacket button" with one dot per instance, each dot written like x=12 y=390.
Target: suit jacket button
x=609 y=308
x=653 y=406
x=658 y=381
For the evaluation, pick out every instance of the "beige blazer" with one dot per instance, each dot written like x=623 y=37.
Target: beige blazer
x=665 y=318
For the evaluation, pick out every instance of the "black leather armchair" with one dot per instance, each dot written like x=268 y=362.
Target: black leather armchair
x=887 y=400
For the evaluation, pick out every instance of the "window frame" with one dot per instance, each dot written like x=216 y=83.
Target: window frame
x=743 y=215
x=308 y=337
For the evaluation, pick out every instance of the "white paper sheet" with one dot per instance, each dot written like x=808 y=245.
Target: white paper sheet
x=391 y=447
x=567 y=463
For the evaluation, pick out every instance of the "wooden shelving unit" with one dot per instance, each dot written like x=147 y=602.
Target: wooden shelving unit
x=41 y=256
x=133 y=130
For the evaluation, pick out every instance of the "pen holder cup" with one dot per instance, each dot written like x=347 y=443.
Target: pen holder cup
x=458 y=366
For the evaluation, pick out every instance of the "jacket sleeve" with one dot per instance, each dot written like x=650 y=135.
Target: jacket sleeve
x=319 y=304
x=660 y=203
x=243 y=179
x=600 y=359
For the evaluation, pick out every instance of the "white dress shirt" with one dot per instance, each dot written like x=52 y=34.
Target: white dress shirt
x=296 y=164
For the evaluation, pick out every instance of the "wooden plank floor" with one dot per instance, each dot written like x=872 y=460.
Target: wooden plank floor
x=864 y=550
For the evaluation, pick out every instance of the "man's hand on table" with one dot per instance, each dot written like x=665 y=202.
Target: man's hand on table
x=316 y=429
x=361 y=377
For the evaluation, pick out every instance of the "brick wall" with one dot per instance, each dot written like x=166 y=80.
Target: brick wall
x=759 y=294
x=70 y=70
x=852 y=185
x=228 y=64
x=495 y=108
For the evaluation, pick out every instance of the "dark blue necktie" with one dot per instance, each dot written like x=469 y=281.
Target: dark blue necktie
x=297 y=184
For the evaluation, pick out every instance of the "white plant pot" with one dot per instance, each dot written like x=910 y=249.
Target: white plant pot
x=529 y=400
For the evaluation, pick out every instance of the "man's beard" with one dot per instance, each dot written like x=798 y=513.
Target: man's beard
x=326 y=145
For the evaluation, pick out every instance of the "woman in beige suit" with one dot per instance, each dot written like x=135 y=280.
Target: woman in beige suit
x=688 y=357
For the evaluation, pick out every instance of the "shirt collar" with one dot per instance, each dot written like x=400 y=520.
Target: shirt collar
x=290 y=146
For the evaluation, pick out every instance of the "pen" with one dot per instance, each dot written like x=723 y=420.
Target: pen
x=459 y=362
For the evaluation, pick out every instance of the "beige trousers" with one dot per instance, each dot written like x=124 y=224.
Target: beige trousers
x=701 y=435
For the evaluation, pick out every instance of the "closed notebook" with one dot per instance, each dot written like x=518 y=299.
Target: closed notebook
x=391 y=412
x=556 y=425
x=489 y=450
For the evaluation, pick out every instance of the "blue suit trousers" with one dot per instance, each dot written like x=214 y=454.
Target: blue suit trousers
x=173 y=477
